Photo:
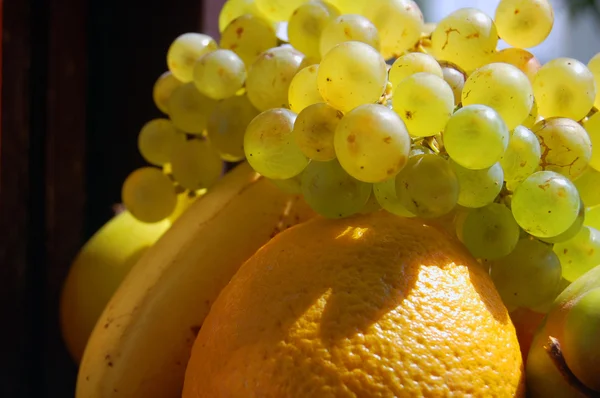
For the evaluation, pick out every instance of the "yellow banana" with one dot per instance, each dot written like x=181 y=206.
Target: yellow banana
x=142 y=342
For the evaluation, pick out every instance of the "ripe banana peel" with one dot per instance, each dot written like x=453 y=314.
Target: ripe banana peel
x=142 y=342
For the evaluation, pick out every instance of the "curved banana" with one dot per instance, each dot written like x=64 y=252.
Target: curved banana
x=142 y=342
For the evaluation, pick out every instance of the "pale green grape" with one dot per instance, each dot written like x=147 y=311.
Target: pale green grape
x=522 y=59
x=529 y=276
x=427 y=186
x=162 y=90
x=566 y=146
x=227 y=125
x=269 y=145
x=219 y=74
x=412 y=63
x=385 y=193
x=478 y=187
x=580 y=253
x=425 y=103
x=293 y=185
x=502 y=87
x=185 y=50
x=522 y=156
x=303 y=90
x=189 y=109
x=278 y=10
x=157 y=139
x=476 y=137
x=149 y=194
x=545 y=204
x=352 y=74
x=592 y=126
x=306 y=25
x=594 y=67
x=588 y=186
x=372 y=143
x=233 y=9
x=270 y=76
x=592 y=217
x=314 y=130
x=524 y=23
x=572 y=230
x=564 y=87
x=455 y=79
x=332 y=192
x=196 y=164
x=467 y=38
x=248 y=36
x=349 y=27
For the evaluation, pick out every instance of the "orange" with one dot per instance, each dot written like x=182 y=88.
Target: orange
x=369 y=306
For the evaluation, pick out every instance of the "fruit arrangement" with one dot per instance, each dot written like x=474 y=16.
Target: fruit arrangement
x=434 y=187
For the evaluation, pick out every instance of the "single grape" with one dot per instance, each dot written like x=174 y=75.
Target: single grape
x=545 y=204
x=349 y=27
x=572 y=230
x=524 y=23
x=592 y=217
x=592 y=126
x=248 y=36
x=455 y=79
x=161 y=92
x=157 y=139
x=351 y=6
x=594 y=67
x=412 y=63
x=149 y=195
x=219 y=74
x=522 y=59
x=385 y=193
x=332 y=192
x=233 y=9
x=580 y=253
x=522 y=156
x=314 y=130
x=303 y=90
x=306 y=25
x=196 y=164
x=185 y=50
x=478 y=188
x=588 y=186
x=189 y=109
x=372 y=143
x=278 y=10
x=476 y=137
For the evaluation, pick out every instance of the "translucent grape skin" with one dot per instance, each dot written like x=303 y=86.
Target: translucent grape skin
x=478 y=188
x=385 y=193
x=303 y=90
x=156 y=141
x=350 y=27
x=522 y=156
x=545 y=204
x=306 y=25
x=588 y=186
x=412 y=63
x=278 y=10
x=522 y=59
x=248 y=36
x=592 y=217
x=162 y=90
x=580 y=253
x=233 y=9
x=371 y=143
x=314 y=130
x=196 y=164
x=219 y=74
x=455 y=79
x=524 y=23
x=189 y=109
x=594 y=67
x=185 y=50
x=572 y=230
x=592 y=126
x=149 y=194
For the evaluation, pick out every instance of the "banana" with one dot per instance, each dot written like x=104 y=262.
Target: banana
x=142 y=342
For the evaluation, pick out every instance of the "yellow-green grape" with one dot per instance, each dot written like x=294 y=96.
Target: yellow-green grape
x=564 y=87
x=524 y=23
x=478 y=188
x=592 y=126
x=594 y=67
x=455 y=79
x=412 y=63
x=351 y=6
x=372 y=143
x=161 y=92
x=580 y=253
x=572 y=230
x=566 y=146
x=419 y=150
x=304 y=90
x=149 y=194
x=219 y=74
x=425 y=103
x=248 y=36
x=385 y=193
x=270 y=147
x=270 y=76
x=189 y=109
x=533 y=116
x=350 y=27
x=592 y=217
x=427 y=186
x=306 y=24
x=185 y=50
x=458 y=221
x=227 y=125
x=292 y=185
x=588 y=186
x=529 y=276
x=522 y=59
x=157 y=139
x=476 y=137
x=196 y=164
x=278 y=10
x=467 y=38
x=233 y=9
x=545 y=204
x=399 y=22
x=352 y=74
x=314 y=130
x=522 y=156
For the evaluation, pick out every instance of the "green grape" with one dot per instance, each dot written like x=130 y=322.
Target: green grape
x=149 y=194
x=303 y=89
x=490 y=232
x=162 y=90
x=458 y=221
x=157 y=139
x=476 y=137
x=278 y=10
x=372 y=143
x=425 y=103
x=269 y=145
x=270 y=76
x=385 y=193
x=588 y=186
x=189 y=109
x=566 y=146
x=332 y=192
x=572 y=230
x=522 y=156
x=196 y=164
x=248 y=36
x=352 y=74
x=350 y=6
x=524 y=23
x=185 y=50
x=350 y=27
x=427 y=186
x=592 y=126
x=545 y=204
x=233 y=9
x=306 y=24
x=219 y=74
x=455 y=79
x=399 y=22
x=580 y=253
x=314 y=130
x=592 y=217
x=594 y=67
x=467 y=38
x=533 y=116
x=522 y=59
x=564 y=87
x=529 y=276
x=502 y=87
x=227 y=125
x=412 y=63
x=478 y=187
x=293 y=185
